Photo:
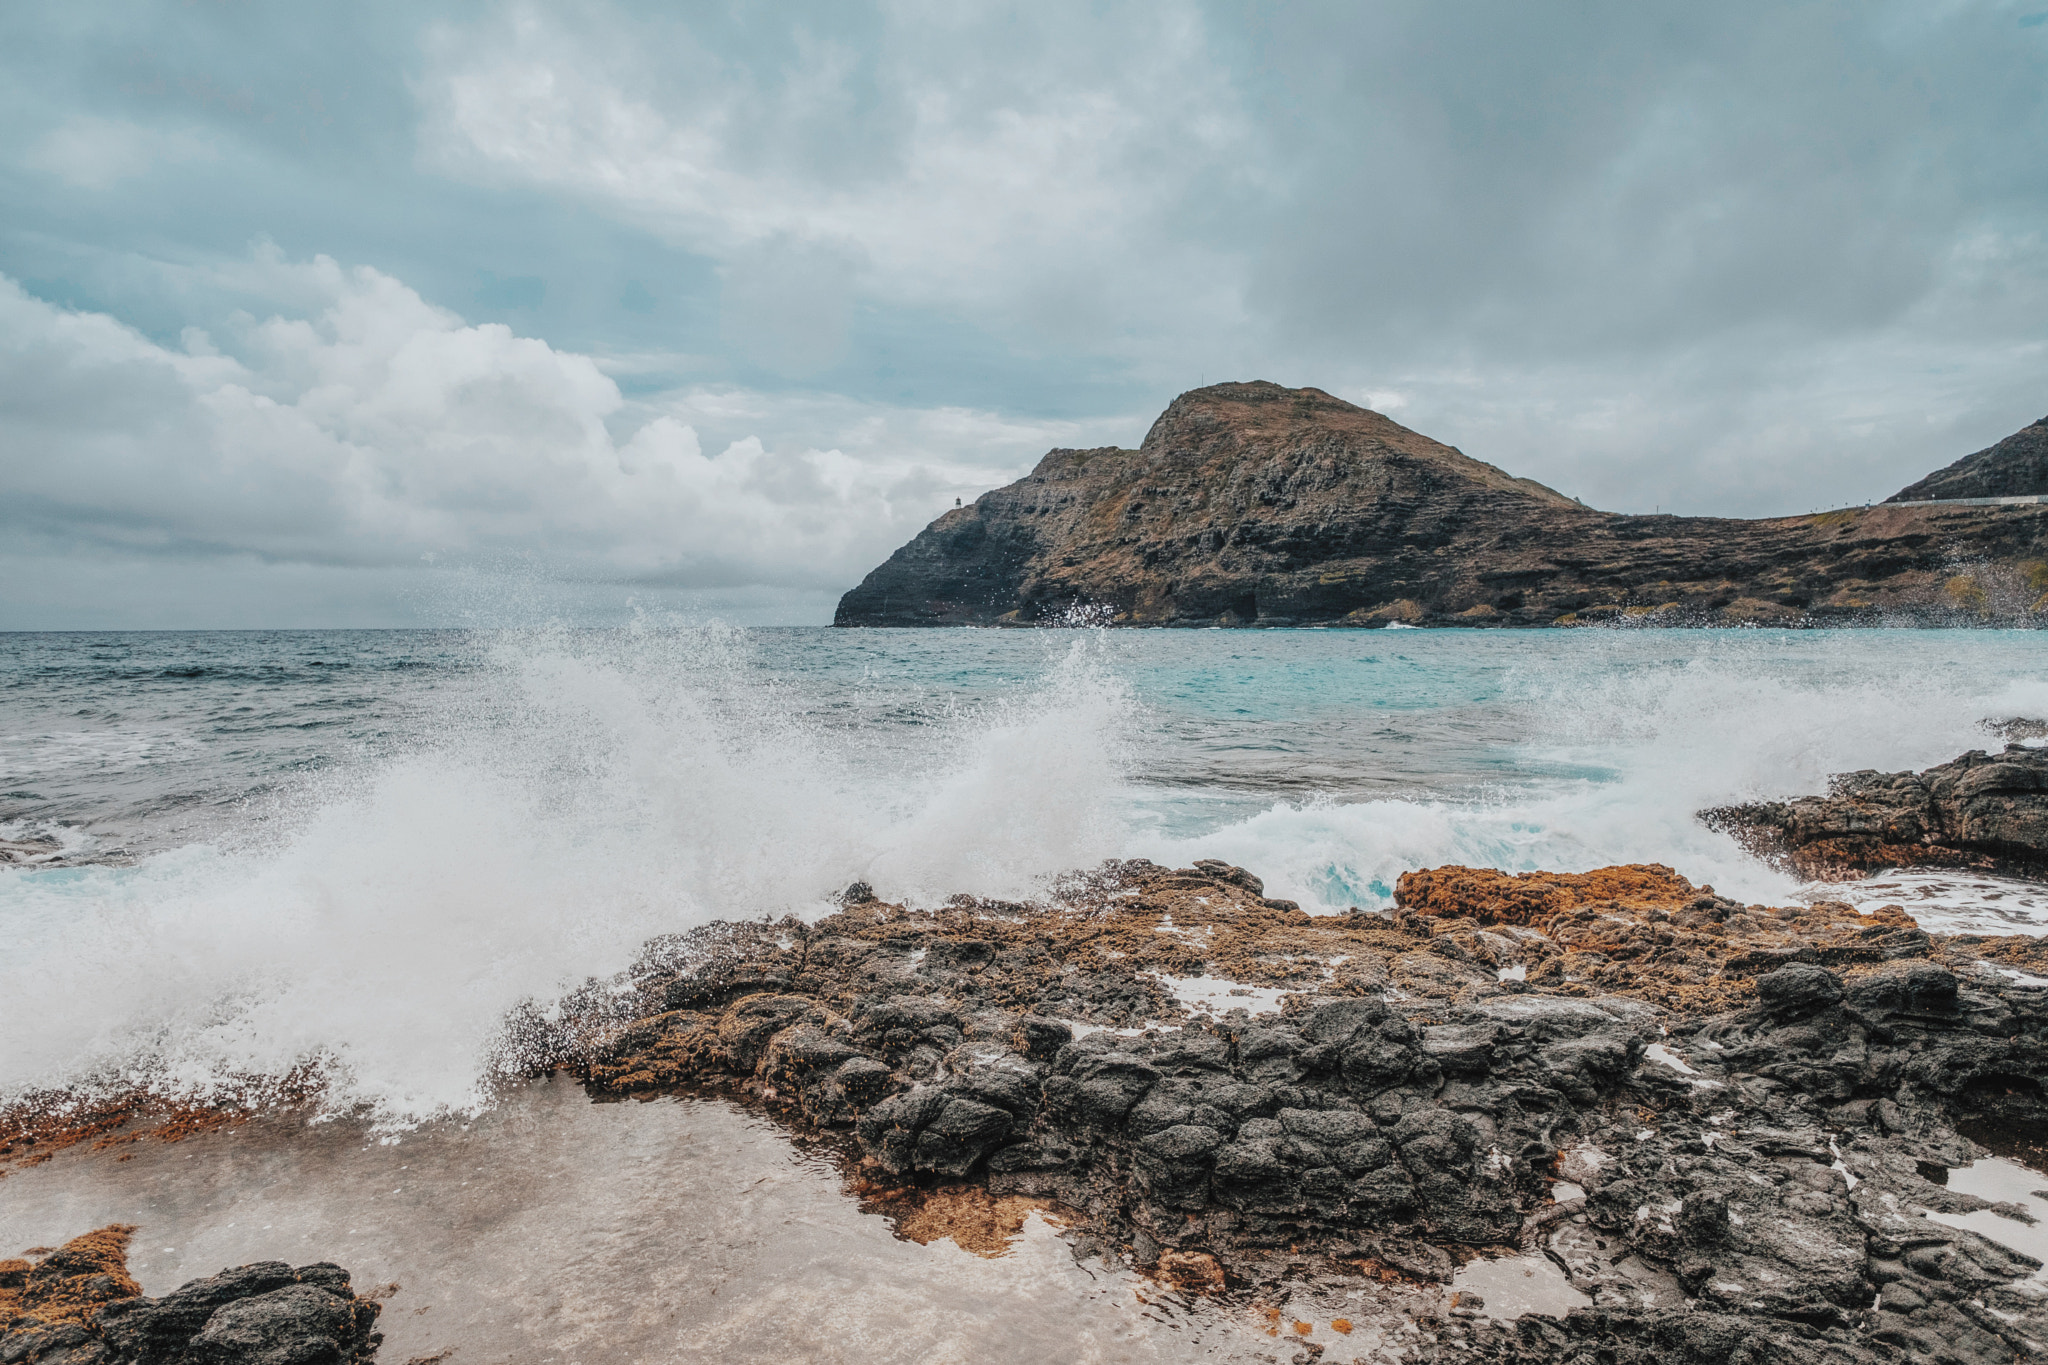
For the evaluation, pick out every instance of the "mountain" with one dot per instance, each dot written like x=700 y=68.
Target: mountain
x=1256 y=504
x=2015 y=467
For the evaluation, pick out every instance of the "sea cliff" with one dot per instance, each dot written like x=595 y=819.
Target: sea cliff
x=1252 y=504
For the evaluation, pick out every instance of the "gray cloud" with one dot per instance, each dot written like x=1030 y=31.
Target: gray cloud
x=722 y=297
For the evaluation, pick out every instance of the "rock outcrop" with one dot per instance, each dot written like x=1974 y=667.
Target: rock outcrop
x=2015 y=467
x=78 y=1305
x=1251 y=504
x=1986 y=812
x=1726 y=1123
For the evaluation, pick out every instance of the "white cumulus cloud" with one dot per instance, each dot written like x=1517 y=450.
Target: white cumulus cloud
x=376 y=429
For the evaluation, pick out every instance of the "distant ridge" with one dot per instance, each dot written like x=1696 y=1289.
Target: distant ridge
x=1250 y=504
x=2015 y=467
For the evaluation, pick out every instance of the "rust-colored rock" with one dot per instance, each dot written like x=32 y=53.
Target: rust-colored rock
x=1534 y=898
x=70 y=1282
x=78 y=1305
x=1191 y=1272
x=966 y=1215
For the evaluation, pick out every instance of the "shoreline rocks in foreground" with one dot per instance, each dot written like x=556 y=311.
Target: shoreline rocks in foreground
x=1984 y=812
x=1726 y=1124
x=77 y=1305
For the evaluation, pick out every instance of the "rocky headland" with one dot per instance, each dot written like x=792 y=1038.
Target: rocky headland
x=1982 y=811
x=77 y=1305
x=2015 y=467
x=1252 y=504
x=1729 y=1127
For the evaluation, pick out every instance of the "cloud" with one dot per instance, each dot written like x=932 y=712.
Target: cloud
x=99 y=153
x=376 y=429
x=1027 y=164
x=1665 y=258
x=1740 y=259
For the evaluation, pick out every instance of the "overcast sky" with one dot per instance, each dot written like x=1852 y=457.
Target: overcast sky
x=409 y=313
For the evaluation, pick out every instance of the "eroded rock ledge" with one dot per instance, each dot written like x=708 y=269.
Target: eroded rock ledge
x=77 y=1305
x=1724 y=1122
x=1982 y=811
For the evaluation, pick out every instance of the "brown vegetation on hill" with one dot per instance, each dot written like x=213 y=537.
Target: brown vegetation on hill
x=1252 y=504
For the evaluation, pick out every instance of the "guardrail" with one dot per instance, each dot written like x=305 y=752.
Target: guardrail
x=2019 y=500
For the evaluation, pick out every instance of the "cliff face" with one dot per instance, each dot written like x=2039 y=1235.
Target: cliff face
x=2015 y=467
x=1255 y=504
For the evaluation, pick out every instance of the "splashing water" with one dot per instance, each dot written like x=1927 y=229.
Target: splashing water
x=369 y=850
x=1626 y=737
x=586 y=795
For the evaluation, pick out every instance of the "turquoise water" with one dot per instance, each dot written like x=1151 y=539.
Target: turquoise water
x=369 y=846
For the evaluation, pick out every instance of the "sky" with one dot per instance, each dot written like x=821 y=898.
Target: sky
x=420 y=314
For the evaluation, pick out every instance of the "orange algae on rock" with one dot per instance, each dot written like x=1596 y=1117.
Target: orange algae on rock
x=40 y=1124
x=1533 y=898
x=72 y=1281
x=966 y=1215
x=1191 y=1272
x=1640 y=930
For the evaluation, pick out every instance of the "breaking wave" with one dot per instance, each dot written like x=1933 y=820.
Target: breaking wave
x=586 y=794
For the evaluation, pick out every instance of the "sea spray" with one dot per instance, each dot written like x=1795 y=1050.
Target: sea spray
x=598 y=790
x=405 y=849
x=1624 y=738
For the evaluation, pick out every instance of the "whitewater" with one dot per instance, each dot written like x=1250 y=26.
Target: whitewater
x=237 y=856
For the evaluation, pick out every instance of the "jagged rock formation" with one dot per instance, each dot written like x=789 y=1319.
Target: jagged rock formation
x=78 y=1305
x=2015 y=467
x=1983 y=811
x=1254 y=504
x=1724 y=1122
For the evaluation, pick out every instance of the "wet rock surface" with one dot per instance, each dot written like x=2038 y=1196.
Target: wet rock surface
x=78 y=1305
x=1725 y=1125
x=1983 y=811
x=1256 y=505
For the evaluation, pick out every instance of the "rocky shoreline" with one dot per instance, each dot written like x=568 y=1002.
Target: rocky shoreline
x=1672 y=1126
x=77 y=1305
x=1985 y=812
x=1728 y=1125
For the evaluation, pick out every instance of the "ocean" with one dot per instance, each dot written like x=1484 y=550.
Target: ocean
x=235 y=854
x=236 y=850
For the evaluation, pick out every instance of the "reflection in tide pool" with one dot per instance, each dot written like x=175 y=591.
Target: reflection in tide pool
x=1945 y=901
x=554 y=1229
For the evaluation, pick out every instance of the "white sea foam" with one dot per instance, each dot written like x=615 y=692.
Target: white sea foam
x=591 y=791
x=1721 y=720
x=590 y=796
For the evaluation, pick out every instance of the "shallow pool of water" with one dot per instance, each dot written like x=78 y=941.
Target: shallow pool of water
x=554 y=1229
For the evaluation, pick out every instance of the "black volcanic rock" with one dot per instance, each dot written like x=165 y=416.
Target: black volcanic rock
x=79 y=1306
x=1982 y=811
x=2015 y=467
x=1252 y=504
x=1724 y=1123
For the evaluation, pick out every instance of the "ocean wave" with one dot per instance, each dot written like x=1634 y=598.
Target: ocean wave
x=532 y=838
x=386 y=910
